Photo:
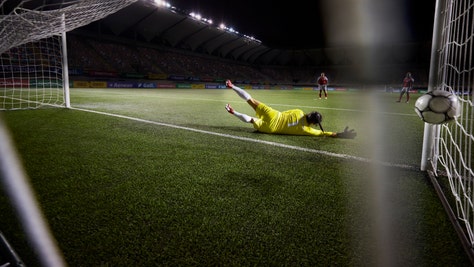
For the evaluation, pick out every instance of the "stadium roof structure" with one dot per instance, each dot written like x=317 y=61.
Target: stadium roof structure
x=146 y=21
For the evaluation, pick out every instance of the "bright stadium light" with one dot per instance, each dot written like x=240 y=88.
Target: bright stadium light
x=162 y=3
x=251 y=38
x=195 y=15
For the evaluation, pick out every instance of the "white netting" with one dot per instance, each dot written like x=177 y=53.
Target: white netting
x=31 y=20
x=454 y=148
x=31 y=75
x=33 y=70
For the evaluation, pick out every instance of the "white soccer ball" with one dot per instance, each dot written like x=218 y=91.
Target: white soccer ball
x=437 y=107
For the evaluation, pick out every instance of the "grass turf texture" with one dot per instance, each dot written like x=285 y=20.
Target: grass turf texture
x=118 y=192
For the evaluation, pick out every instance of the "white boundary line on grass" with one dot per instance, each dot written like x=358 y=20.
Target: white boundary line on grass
x=316 y=151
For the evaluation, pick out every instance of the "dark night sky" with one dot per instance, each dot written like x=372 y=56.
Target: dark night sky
x=321 y=23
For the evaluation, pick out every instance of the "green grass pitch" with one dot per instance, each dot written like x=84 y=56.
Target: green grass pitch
x=169 y=178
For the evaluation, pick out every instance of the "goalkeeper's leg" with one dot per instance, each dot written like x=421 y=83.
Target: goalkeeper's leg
x=243 y=94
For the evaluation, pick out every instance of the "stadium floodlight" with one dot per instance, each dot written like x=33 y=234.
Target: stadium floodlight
x=198 y=17
x=162 y=3
x=251 y=38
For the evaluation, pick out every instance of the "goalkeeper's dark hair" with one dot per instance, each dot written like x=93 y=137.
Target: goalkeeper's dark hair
x=315 y=118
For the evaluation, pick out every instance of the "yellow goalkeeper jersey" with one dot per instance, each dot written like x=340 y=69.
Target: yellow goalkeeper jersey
x=292 y=122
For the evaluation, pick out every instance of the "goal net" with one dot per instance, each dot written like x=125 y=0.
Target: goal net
x=33 y=52
x=448 y=148
x=32 y=75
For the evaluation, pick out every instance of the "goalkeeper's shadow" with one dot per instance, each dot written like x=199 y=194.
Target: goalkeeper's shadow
x=232 y=129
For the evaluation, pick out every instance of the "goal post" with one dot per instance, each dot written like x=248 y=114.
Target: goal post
x=447 y=153
x=67 y=100
x=431 y=130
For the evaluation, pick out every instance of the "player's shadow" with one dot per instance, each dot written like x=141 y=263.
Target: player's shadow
x=229 y=129
x=223 y=129
x=242 y=131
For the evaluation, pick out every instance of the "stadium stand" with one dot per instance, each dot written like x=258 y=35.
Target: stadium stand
x=96 y=54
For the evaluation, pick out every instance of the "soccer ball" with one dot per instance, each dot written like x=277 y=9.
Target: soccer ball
x=437 y=107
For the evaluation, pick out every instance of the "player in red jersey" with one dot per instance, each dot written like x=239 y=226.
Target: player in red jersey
x=406 y=87
x=323 y=85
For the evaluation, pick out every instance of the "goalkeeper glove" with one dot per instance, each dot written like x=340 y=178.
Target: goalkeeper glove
x=347 y=134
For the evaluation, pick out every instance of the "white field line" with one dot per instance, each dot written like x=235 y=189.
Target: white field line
x=316 y=151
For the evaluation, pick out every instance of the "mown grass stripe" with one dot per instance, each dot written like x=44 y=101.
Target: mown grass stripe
x=310 y=150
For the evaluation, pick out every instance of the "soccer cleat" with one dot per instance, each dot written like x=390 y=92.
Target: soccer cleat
x=229 y=109
x=229 y=84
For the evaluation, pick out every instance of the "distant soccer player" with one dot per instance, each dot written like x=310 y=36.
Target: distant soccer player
x=292 y=122
x=406 y=87
x=323 y=85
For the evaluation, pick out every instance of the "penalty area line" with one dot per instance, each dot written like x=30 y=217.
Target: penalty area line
x=310 y=150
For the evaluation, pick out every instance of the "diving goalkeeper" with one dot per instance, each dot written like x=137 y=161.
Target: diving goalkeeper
x=292 y=122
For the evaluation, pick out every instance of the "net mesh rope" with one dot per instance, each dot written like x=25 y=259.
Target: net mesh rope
x=453 y=150
x=31 y=75
x=31 y=48
x=28 y=21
